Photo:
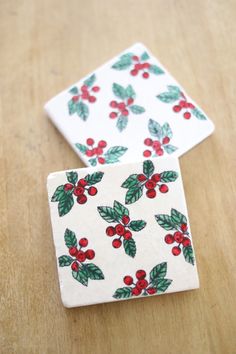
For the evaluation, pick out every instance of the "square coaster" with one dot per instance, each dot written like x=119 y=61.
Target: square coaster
x=128 y=110
x=121 y=233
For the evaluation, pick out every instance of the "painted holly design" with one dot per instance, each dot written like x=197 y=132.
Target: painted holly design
x=82 y=271
x=123 y=108
x=178 y=223
x=161 y=140
x=149 y=181
x=137 y=64
x=156 y=283
x=122 y=226
x=79 y=95
x=176 y=96
x=97 y=154
x=75 y=188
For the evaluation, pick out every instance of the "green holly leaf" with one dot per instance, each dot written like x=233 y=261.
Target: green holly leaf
x=74 y=90
x=155 y=128
x=171 y=96
x=123 y=293
x=137 y=225
x=119 y=91
x=124 y=63
x=170 y=148
x=70 y=238
x=114 y=153
x=130 y=93
x=158 y=272
x=133 y=194
x=154 y=69
x=148 y=168
x=198 y=114
x=120 y=209
x=165 y=221
x=58 y=194
x=188 y=254
x=82 y=110
x=82 y=148
x=137 y=109
x=166 y=131
x=130 y=247
x=90 y=81
x=65 y=204
x=121 y=123
x=174 y=89
x=162 y=285
x=93 y=271
x=94 y=178
x=131 y=181
x=81 y=275
x=108 y=214
x=65 y=261
x=72 y=107
x=178 y=218
x=168 y=176
x=144 y=56
x=93 y=162
x=72 y=177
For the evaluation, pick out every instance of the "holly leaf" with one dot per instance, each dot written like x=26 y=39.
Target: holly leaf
x=70 y=238
x=131 y=181
x=130 y=247
x=198 y=114
x=158 y=272
x=121 y=123
x=148 y=168
x=188 y=254
x=174 y=89
x=72 y=177
x=90 y=81
x=155 y=128
x=120 y=209
x=170 y=148
x=119 y=91
x=114 y=153
x=65 y=204
x=82 y=110
x=137 y=225
x=58 y=194
x=165 y=221
x=177 y=217
x=137 y=109
x=168 y=176
x=154 y=69
x=171 y=96
x=123 y=293
x=133 y=194
x=162 y=285
x=144 y=56
x=130 y=93
x=74 y=90
x=93 y=271
x=166 y=130
x=82 y=148
x=65 y=261
x=124 y=63
x=93 y=162
x=72 y=107
x=94 y=178
x=108 y=214
x=81 y=276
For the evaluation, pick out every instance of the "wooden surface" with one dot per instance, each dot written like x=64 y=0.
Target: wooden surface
x=46 y=46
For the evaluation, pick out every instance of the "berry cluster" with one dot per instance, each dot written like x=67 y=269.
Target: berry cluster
x=80 y=255
x=185 y=106
x=120 y=107
x=119 y=230
x=96 y=151
x=141 y=286
x=180 y=237
x=80 y=189
x=156 y=145
x=151 y=183
x=86 y=94
x=138 y=66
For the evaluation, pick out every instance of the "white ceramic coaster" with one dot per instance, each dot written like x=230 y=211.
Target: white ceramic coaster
x=129 y=109
x=121 y=233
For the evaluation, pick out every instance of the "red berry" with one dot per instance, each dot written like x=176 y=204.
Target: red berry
x=156 y=144
x=125 y=112
x=81 y=256
x=151 y=291
x=184 y=227
x=92 y=99
x=73 y=251
x=92 y=191
x=130 y=101
x=186 y=242
x=128 y=280
x=78 y=191
x=125 y=219
x=90 y=141
x=142 y=284
x=160 y=152
x=134 y=72
x=136 y=291
x=82 y=182
x=116 y=243
x=138 y=66
x=145 y=75
x=101 y=160
x=113 y=115
x=110 y=231
x=75 y=266
x=127 y=235
x=166 y=140
x=85 y=95
x=151 y=193
x=121 y=106
x=99 y=151
x=146 y=65
x=89 y=153
x=90 y=254
x=75 y=98
x=150 y=184
x=183 y=103
x=190 y=105
x=187 y=115
x=176 y=251
x=102 y=144
x=148 y=142
x=141 y=177
x=156 y=177
x=68 y=187
x=147 y=153
x=163 y=188
x=140 y=274
x=177 y=108
x=135 y=58
x=120 y=229
x=169 y=239
x=95 y=88
x=113 y=104
x=84 y=88
x=82 y=199
x=83 y=242
x=178 y=236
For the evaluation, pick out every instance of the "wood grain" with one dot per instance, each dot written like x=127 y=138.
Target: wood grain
x=47 y=45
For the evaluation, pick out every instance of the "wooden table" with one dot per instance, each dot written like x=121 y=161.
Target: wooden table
x=46 y=46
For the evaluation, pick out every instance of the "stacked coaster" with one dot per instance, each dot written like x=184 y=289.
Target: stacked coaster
x=122 y=232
